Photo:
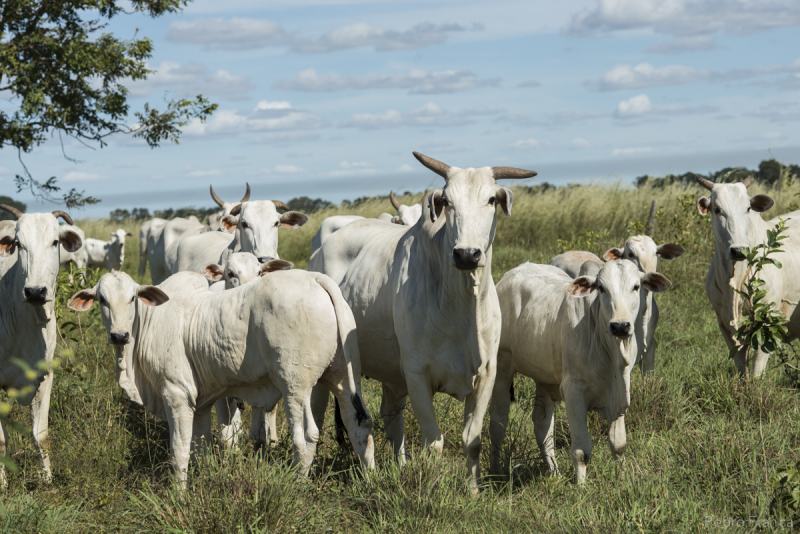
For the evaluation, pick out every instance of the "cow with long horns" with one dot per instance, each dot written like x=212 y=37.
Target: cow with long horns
x=27 y=322
x=215 y=219
x=407 y=215
x=425 y=303
x=737 y=226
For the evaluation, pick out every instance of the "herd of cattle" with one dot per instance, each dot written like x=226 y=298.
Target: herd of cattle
x=407 y=300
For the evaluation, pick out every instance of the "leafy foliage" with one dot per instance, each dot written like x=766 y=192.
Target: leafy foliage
x=4 y=215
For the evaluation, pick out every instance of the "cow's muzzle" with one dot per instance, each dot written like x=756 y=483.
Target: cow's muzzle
x=620 y=329
x=119 y=338
x=738 y=254
x=35 y=295
x=467 y=259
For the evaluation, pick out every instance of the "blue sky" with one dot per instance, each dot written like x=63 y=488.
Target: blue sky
x=329 y=97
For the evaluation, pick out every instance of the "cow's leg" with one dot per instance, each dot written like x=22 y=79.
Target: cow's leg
x=180 y=419
x=3 y=450
x=543 y=422
x=616 y=435
x=500 y=406
x=295 y=416
x=271 y=423
x=201 y=429
x=230 y=421
x=40 y=410
x=475 y=406
x=581 y=447
x=311 y=430
x=760 y=365
x=421 y=395
x=319 y=403
x=392 y=405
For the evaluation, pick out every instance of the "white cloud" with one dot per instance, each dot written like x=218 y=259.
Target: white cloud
x=646 y=75
x=190 y=80
x=526 y=143
x=80 y=176
x=272 y=105
x=204 y=173
x=415 y=81
x=251 y=34
x=266 y=117
x=430 y=114
x=682 y=43
x=631 y=151
x=287 y=168
x=580 y=142
x=634 y=106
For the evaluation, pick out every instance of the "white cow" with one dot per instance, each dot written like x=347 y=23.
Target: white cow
x=215 y=220
x=737 y=225
x=329 y=226
x=406 y=215
x=107 y=254
x=148 y=235
x=27 y=321
x=255 y=224
x=243 y=268
x=425 y=303
x=164 y=247
x=644 y=252
x=80 y=257
x=244 y=342
x=574 y=337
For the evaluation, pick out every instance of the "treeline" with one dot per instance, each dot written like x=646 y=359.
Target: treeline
x=770 y=172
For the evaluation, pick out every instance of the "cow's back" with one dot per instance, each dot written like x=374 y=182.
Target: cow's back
x=195 y=252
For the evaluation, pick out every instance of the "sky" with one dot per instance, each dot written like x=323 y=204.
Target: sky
x=327 y=98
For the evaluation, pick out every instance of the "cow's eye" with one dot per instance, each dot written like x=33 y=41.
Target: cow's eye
x=600 y=288
x=55 y=243
x=636 y=287
x=245 y=225
x=102 y=300
x=445 y=201
x=717 y=210
x=492 y=201
x=231 y=274
x=133 y=298
x=277 y=223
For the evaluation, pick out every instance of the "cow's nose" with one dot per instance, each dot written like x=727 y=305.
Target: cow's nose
x=35 y=295
x=737 y=254
x=467 y=258
x=620 y=328
x=119 y=338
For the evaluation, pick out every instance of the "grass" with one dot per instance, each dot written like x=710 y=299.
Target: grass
x=705 y=450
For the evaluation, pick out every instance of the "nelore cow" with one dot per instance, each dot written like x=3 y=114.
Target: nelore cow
x=215 y=220
x=406 y=215
x=574 y=337
x=107 y=254
x=149 y=233
x=247 y=342
x=737 y=226
x=164 y=248
x=255 y=225
x=425 y=303
x=27 y=321
x=644 y=252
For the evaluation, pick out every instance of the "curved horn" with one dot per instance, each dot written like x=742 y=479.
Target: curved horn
x=435 y=165
x=705 y=182
x=512 y=173
x=748 y=181
x=215 y=197
x=650 y=226
x=12 y=210
x=246 y=196
x=64 y=215
x=279 y=205
x=393 y=200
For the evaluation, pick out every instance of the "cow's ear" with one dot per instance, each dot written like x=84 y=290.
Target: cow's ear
x=504 y=198
x=293 y=219
x=236 y=209
x=436 y=204
x=670 y=251
x=8 y=245
x=151 y=295
x=612 y=254
x=656 y=282
x=582 y=286
x=82 y=300
x=70 y=240
x=274 y=265
x=761 y=203
x=703 y=205
x=213 y=272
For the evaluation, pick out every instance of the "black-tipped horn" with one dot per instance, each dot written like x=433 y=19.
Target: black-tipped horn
x=246 y=196
x=650 y=226
x=280 y=205
x=12 y=210
x=748 y=181
x=393 y=200
x=215 y=197
x=64 y=215
x=705 y=182
x=512 y=173
x=435 y=165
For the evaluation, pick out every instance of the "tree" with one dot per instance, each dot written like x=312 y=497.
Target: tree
x=66 y=74
x=307 y=204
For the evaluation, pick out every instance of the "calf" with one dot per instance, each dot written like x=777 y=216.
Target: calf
x=574 y=337
x=107 y=254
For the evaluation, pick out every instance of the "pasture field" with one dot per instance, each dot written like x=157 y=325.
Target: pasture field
x=705 y=450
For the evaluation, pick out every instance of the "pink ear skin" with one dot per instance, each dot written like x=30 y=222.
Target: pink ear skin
x=612 y=254
x=82 y=300
x=229 y=222
x=213 y=272
x=152 y=296
x=703 y=205
x=582 y=286
x=7 y=246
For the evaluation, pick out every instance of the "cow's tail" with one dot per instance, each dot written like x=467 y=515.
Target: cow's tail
x=142 y=254
x=346 y=325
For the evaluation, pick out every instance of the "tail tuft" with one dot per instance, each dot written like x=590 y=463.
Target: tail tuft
x=511 y=392
x=361 y=412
